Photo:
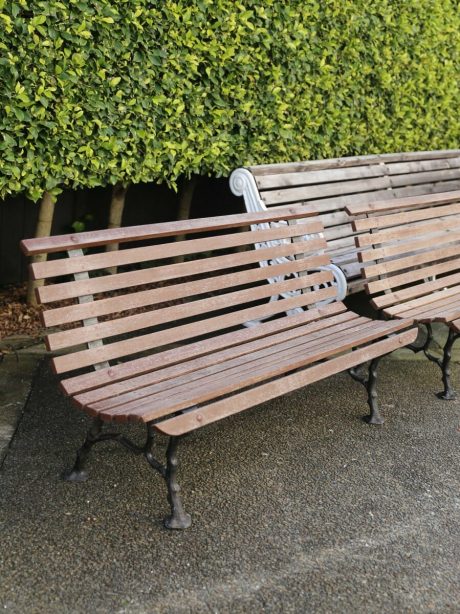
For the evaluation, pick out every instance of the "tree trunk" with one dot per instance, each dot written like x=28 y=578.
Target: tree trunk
x=43 y=229
x=117 y=206
x=185 y=203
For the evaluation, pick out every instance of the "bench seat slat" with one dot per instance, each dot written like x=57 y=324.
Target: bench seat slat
x=167 y=380
x=117 y=392
x=423 y=301
x=443 y=302
x=220 y=409
x=285 y=180
x=117 y=374
x=277 y=364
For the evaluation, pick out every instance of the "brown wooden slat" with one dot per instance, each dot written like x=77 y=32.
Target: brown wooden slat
x=407 y=230
x=164 y=404
x=404 y=247
x=411 y=307
x=92 y=262
x=123 y=325
x=117 y=391
x=95 y=238
x=402 y=203
x=424 y=177
x=160 y=395
x=421 y=289
x=407 y=216
x=85 y=358
x=239 y=402
x=286 y=180
x=434 y=309
x=394 y=281
x=146 y=364
x=339 y=188
x=107 y=283
x=400 y=264
x=118 y=304
x=290 y=167
x=455 y=324
x=401 y=168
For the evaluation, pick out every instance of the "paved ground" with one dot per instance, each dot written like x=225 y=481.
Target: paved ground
x=297 y=505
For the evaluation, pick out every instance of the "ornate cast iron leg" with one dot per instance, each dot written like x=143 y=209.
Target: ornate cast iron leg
x=374 y=417
x=370 y=383
x=178 y=518
x=77 y=473
x=448 y=394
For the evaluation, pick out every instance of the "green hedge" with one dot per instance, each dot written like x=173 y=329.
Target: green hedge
x=97 y=91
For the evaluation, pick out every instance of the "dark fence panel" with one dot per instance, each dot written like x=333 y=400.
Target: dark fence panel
x=145 y=203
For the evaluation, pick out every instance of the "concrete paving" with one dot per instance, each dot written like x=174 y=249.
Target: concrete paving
x=297 y=505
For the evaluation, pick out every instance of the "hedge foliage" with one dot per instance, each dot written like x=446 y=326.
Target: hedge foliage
x=102 y=91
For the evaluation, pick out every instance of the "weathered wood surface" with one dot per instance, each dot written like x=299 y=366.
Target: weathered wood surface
x=412 y=268
x=174 y=330
x=342 y=188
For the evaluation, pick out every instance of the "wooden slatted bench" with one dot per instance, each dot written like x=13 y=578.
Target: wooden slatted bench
x=328 y=186
x=183 y=359
x=410 y=254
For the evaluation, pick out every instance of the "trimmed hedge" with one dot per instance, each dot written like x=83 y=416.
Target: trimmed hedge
x=96 y=92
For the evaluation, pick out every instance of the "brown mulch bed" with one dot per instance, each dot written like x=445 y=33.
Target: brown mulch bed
x=17 y=319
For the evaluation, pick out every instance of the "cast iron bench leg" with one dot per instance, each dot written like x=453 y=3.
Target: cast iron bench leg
x=370 y=383
x=178 y=519
x=448 y=394
x=78 y=473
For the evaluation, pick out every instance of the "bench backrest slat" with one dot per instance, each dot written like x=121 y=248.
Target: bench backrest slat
x=329 y=186
x=215 y=289
x=406 y=249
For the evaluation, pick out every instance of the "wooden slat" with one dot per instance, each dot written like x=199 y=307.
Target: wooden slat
x=239 y=402
x=407 y=230
x=160 y=405
x=424 y=177
x=118 y=304
x=237 y=371
x=404 y=247
x=123 y=325
x=85 y=358
x=118 y=392
x=427 y=188
x=92 y=262
x=339 y=188
x=403 y=203
x=419 y=289
x=286 y=180
x=400 y=264
x=434 y=309
x=96 y=238
x=290 y=167
x=395 y=281
x=407 y=216
x=400 y=168
x=146 y=364
x=107 y=283
x=422 y=301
